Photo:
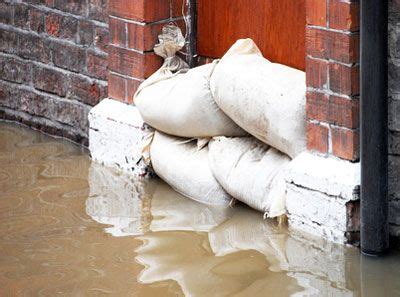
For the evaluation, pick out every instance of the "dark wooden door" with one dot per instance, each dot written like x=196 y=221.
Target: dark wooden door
x=277 y=26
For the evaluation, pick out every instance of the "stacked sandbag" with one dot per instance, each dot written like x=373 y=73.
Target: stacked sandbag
x=241 y=93
x=179 y=102
x=265 y=99
x=184 y=166
x=250 y=171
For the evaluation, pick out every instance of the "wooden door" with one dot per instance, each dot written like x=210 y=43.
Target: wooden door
x=277 y=26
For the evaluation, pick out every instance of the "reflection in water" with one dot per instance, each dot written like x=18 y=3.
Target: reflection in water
x=116 y=200
x=71 y=227
x=174 y=212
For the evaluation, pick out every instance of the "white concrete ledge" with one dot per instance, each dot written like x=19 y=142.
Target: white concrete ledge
x=117 y=135
x=318 y=190
x=331 y=176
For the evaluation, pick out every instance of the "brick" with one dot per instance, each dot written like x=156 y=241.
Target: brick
x=5 y=92
x=117 y=87
x=117 y=32
x=144 y=37
x=8 y=41
x=86 y=90
x=50 y=80
x=316 y=43
x=28 y=101
x=132 y=63
x=317 y=106
x=69 y=113
x=20 y=99
x=14 y=70
x=316 y=73
x=53 y=24
x=101 y=38
x=344 y=15
x=97 y=65
x=36 y=20
x=48 y=3
x=77 y=7
x=140 y=10
x=325 y=44
x=63 y=27
x=344 y=112
x=69 y=57
x=6 y=13
x=86 y=33
x=394 y=142
x=344 y=79
x=131 y=88
x=345 y=143
x=393 y=73
x=344 y=47
x=9 y=96
x=98 y=10
x=317 y=138
x=21 y=16
x=34 y=47
x=394 y=115
x=333 y=110
x=394 y=179
x=316 y=12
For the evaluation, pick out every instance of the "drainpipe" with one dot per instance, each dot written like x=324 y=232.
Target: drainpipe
x=192 y=28
x=374 y=126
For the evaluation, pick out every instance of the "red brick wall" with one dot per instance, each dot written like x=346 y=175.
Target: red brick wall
x=53 y=63
x=332 y=70
x=134 y=27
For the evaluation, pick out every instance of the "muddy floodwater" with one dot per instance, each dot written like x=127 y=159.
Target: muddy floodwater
x=71 y=227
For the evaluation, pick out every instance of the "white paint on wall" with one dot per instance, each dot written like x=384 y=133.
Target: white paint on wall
x=318 y=189
x=117 y=135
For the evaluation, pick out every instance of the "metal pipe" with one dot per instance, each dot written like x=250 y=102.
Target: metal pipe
x=192 y=47
x=374 y=126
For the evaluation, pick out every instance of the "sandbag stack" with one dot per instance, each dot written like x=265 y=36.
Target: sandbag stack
x=203 y=117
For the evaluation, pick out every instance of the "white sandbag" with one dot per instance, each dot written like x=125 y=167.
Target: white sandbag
x=251 y=172
x=178 y=101
x=265 y=99
x=185 y=168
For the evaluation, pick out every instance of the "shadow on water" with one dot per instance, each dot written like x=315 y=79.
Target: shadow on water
x=76 y=228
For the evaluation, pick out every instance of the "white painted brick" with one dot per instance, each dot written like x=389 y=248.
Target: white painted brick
x=316 y=213
x=117 y=136
x=318 y=189
x=331 y=176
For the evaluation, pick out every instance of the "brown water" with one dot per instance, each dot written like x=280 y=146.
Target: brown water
x=70 y=227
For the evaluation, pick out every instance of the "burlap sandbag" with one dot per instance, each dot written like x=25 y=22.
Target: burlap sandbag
x=251 y=172
x=184 y=166
x=265 y=99
x=178 y=101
